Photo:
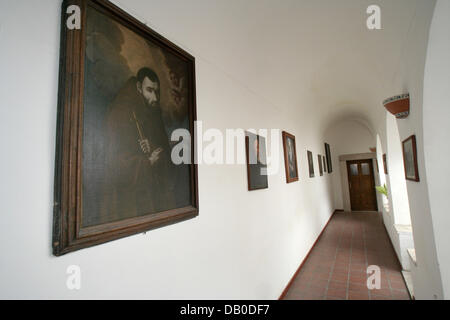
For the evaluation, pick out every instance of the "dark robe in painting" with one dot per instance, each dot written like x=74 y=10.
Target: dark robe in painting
x=291 y=159
x=135 y=187
x=257 y=159
x=258 y=180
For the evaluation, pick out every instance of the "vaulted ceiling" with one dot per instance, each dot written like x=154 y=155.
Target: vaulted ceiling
x=317 y=55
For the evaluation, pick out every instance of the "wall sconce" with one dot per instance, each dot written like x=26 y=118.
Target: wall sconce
x=398 y=105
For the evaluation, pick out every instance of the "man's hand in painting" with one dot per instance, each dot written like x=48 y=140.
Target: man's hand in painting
x=145 y=145
x=155 y=156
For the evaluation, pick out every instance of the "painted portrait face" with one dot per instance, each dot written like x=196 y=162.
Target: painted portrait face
x=149 y=91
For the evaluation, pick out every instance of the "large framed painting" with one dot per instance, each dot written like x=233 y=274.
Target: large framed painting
x=328 y=155
x=290 y=157
x=319 y=157
x=123 y=91
x=410 y=159
x=255 y=147
x=311 y=164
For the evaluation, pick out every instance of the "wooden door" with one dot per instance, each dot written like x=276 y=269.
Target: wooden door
x=362 y=185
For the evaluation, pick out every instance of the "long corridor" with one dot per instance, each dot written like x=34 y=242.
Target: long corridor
x=336 y=268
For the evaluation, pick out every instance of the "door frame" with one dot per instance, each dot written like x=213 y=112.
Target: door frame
x=372 y=182
x=344 y=176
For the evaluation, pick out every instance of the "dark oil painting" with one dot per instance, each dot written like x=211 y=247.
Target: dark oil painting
x=328 y=155
x=410 y=159
x=290 y=157
x=256 y=162
x=310 y=164
x=319 y=157
x=123 y=91
x=135 y=96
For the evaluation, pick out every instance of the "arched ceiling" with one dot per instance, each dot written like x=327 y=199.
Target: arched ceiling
x=317 y=55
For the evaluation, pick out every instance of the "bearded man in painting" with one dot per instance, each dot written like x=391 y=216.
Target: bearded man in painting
x=138 y=152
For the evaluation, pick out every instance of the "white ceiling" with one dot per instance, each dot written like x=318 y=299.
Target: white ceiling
x=316 y=55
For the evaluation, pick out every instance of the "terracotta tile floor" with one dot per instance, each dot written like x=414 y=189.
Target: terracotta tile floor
x=336 y=268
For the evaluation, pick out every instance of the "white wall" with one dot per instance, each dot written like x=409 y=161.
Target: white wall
x=382 y=200
x=385 y=203
x=397 y=220
x=436 y=133
x=396 y=173
x=242 y=246
x=214 y=256
x=346 y=137
x=409 y=78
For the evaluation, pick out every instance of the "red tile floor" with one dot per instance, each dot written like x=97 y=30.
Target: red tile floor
x=336 y=268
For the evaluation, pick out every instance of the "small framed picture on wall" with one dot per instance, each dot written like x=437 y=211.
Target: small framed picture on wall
x=320 y=164
x=385 y=164
x=328 y=154
x=290 y=157
x=311 y=164
x=410 y=159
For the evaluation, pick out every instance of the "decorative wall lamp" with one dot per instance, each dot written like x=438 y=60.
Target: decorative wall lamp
x=398 y=105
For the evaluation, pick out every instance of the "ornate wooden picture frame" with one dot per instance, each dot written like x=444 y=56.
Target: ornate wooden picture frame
x=290 y=157
x=123 y=89
x=328 y=155
x=319 y=158
x=410 y=159
x=311 y=164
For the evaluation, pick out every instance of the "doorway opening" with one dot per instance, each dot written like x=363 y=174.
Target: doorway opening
x=361 y=182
